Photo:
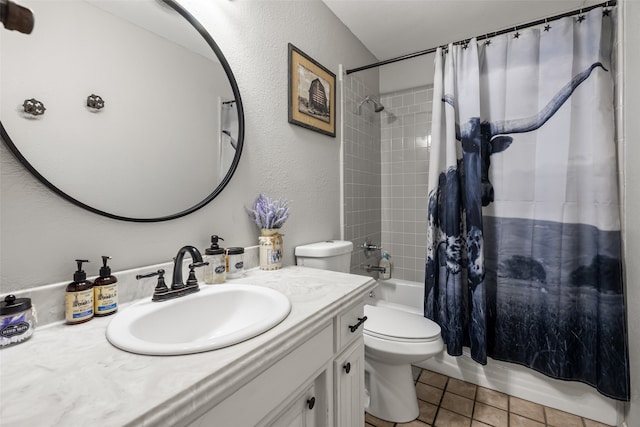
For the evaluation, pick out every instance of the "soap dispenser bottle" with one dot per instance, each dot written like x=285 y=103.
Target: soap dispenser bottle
x=385 y=262
x=79 y=297
x=215 y=271
x=105 y=291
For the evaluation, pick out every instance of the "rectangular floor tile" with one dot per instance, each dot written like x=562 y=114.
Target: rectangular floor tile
x=428 y=393
x=526 y=409
x=458 y=404
x=433 y=379
x=492 y=398
x=462 y=388
x=557 y=418
x=427 y=412
x=451 y=419
x=516 y=420
x=490 y=415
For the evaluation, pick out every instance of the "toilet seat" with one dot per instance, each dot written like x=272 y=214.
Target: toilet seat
x=399 y=326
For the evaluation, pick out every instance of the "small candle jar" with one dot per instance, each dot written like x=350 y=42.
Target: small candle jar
x=17 y=320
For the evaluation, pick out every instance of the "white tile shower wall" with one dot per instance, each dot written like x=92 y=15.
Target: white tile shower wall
x=362 y=208
x=405 y=146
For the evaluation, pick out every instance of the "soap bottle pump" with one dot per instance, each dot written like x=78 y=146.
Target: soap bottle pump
x=215 y=272
x=385 y=262
x=79 y=297
x=105 y=291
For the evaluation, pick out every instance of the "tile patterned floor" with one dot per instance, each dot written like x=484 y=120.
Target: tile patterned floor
x=449 y=402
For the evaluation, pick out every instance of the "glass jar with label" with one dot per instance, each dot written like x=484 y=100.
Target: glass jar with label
x=235 y=262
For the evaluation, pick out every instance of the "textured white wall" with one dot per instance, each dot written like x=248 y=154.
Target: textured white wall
x=408 y=74
x=41 y=234
x=631 y=109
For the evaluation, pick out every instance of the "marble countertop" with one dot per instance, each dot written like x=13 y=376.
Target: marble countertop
x=70 y=375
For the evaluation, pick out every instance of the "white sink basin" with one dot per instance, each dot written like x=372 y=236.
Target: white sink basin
x=217 y=316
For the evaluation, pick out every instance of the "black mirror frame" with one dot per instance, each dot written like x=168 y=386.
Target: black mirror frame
x=236 y=159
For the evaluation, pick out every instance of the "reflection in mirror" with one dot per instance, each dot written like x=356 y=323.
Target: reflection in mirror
x=168 y=135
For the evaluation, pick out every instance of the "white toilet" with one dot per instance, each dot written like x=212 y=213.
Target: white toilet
x=393 y=340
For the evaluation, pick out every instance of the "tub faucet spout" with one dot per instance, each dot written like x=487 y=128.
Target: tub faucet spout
x=379 y=269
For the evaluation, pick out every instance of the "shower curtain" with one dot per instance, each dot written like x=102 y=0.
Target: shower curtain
x=523 y=244
x=228 y=144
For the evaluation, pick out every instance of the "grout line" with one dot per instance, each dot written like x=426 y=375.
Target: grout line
x=444 y=390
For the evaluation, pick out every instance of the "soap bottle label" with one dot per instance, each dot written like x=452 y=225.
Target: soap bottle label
x=105 y=299
x=79 y=306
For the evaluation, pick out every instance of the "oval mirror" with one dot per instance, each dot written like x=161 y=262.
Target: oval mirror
x=125 y=108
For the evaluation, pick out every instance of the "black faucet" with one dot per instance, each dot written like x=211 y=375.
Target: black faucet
x=196 y=256
x=178 y=289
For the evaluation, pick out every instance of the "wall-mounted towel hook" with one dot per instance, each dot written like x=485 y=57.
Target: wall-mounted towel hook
x=33 y=106
x=95 y=102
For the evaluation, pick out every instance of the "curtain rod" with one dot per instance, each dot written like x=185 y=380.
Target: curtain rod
x=610 y=3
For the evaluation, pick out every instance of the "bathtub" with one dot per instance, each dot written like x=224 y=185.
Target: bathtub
x=399 y=294
x=515 y=380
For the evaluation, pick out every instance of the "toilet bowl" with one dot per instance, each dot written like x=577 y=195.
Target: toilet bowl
x=394 y=340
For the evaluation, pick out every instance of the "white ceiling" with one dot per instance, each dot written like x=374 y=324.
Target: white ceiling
x=392 y=28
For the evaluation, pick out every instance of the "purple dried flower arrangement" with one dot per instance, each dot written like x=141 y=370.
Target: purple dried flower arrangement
x=268 y=213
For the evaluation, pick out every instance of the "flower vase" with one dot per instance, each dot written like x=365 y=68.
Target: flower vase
x=271 y=246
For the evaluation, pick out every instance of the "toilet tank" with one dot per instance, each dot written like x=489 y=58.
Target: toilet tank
x=332 y=255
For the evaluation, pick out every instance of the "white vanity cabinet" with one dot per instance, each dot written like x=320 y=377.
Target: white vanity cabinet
x=348 y=371
x=268 y=380
x=348 y=368
x=303 y=412
x=319 y=384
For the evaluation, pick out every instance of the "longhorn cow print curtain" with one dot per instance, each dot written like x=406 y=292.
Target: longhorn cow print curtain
x=523 y=244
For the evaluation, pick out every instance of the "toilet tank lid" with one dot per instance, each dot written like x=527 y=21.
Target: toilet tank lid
x=324 y=249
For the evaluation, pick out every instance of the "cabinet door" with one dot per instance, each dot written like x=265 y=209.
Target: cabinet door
x=349 y=385
x=301 y=412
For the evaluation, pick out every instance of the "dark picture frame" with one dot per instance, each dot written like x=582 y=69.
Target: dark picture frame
x=312 y=93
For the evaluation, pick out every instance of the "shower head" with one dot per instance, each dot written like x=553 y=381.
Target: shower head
x=377 y=107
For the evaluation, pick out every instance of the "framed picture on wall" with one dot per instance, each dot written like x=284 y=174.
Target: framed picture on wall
x=312 y=93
